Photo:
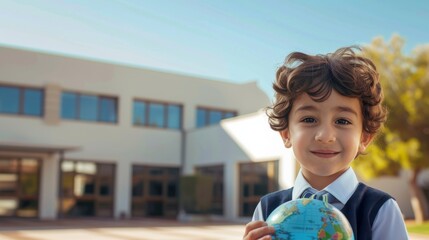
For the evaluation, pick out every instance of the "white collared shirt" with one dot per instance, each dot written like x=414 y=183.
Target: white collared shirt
x=388 y=224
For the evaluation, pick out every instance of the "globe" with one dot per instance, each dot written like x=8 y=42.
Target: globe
x=307 y=218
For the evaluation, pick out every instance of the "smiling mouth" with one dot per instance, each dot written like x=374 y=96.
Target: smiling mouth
x=325 y=154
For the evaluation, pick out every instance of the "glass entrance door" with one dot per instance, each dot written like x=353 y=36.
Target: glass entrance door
x=19 y=187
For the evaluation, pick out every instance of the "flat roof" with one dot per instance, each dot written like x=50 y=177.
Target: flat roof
x=26 y=147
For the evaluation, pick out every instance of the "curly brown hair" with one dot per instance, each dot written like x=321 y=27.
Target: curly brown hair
x=344 y=71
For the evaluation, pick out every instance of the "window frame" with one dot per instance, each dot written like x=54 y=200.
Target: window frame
x=21 y=100
x=96 y=197
x=146 y=122
x=208 y=110
x=19 y=194
x=249 y=180
x=100 y=97
x=146 y=174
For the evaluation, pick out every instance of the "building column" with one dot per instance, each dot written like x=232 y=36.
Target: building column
x=123 y=190
x=231 y=191
x=49 y=187
x=52 y=104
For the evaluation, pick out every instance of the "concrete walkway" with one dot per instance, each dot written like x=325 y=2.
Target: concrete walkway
x=121 y=230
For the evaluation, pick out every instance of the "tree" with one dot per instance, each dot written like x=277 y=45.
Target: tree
x=404 y=142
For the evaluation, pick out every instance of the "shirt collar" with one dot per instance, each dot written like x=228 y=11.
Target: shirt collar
x=342 y=188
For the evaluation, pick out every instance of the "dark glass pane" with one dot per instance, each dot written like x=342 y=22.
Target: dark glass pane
x=174 y=117
x=246 y=191
x=156 y=115
x=156 y=171
x=33 y=102
x=138 y=188
x=88 y=107
x=201 y=117
x=260 y=189
x=228 y=115
x=108 y=110
x=172 y=189
x=139 y=114
x=246 y=209
x=215 y=117
x=27 y=208
x=155 y=208
x=9 y=100
x=173 y=172
x=68 y=105
x=155 y=188
x=105 y=188
x=83 y=208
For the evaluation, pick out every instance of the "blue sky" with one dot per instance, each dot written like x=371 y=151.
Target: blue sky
x=230 y=40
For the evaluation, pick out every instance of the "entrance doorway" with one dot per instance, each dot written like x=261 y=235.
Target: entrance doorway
x=19 y=187
x=155 y=191
x=87 y=189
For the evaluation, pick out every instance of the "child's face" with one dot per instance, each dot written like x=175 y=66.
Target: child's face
x=325 y=136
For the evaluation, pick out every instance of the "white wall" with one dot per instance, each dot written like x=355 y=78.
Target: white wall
x=121 y=143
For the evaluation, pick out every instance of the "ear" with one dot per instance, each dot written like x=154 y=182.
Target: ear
x=286 y=138
x=365 y=141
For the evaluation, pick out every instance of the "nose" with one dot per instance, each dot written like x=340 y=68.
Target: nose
x=325 y=134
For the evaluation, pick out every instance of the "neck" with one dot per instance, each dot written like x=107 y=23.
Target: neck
x=320 y=182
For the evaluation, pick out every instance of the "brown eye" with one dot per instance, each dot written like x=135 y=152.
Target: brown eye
x=308 y=120
x=342 y=122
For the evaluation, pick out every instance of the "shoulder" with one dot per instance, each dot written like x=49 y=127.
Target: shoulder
x=372 y=193
x=272 y=200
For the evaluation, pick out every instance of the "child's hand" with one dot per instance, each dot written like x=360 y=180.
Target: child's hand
x=258 y=230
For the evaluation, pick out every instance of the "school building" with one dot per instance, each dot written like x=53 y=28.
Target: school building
x=85 y=138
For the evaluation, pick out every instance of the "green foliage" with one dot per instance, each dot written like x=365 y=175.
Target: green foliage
x=196 y=193
x=404 y=142
x=418 y=228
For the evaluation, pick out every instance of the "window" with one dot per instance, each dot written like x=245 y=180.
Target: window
x=87 y=188
x=19 y=187
x=256 y=180
x=157 y=114
x=88 y=107
x=207 y=116
x=21 y=101
x=154 y=191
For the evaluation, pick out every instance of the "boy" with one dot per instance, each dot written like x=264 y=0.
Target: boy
x=328 y=109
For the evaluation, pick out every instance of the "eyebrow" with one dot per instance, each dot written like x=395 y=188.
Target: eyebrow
x=339 y=109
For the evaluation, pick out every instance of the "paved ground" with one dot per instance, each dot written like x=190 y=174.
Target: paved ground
x=121 y=229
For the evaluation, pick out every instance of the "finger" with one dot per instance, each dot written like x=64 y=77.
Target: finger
x=253 y=225
x=258 y=231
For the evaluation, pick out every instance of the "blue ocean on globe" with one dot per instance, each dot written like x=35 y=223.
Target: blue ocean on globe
x=309 y=219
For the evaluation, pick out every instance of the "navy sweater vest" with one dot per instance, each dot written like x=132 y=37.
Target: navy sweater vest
x=360 y=210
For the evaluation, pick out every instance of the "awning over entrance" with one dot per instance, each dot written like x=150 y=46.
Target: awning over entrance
x=24 y=147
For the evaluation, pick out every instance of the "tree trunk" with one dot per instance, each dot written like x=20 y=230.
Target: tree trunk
x=418 y=202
